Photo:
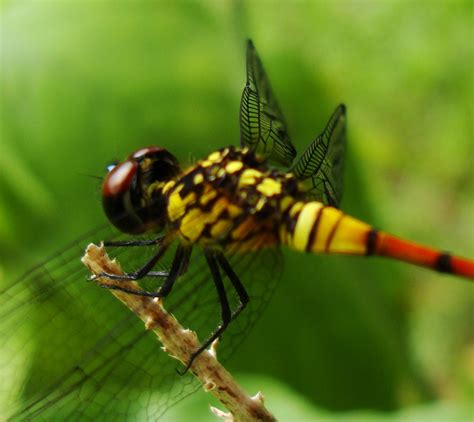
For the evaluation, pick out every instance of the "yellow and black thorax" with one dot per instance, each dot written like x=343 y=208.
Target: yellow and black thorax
x=231 y=199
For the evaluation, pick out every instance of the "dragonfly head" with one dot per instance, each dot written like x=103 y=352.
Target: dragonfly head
x=132 y=192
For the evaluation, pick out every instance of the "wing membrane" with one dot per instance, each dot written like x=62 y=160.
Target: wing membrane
x=262 y=125
x=88 y=355
x=323 y=161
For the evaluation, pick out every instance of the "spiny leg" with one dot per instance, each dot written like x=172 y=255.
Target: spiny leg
x=178 y=267
x=139 y=242
x=141 y=272
x=225 y=309
x=214 y=260
x=236 y=283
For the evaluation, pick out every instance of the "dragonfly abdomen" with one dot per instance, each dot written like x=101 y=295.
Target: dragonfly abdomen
x=385 y=244
x=314 y=227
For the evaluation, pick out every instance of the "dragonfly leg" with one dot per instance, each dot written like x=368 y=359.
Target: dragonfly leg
x=141 y=272
x=178 y=267
x=226 y=314
x=158 y=274
x=236 y=283
x=142 y=242
x=214 y=261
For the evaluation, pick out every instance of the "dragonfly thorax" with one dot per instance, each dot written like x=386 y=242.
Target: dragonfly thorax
x=232 y=198
x=132 y=192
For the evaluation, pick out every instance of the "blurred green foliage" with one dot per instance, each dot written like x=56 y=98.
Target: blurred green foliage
x=85 y=82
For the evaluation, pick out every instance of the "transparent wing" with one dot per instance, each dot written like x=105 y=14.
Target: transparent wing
x=262 y=126
x=322 y=164
x=87 y=356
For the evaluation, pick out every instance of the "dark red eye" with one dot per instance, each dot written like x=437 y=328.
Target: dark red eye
x=119 y=178
x=132 y=194
x=147 y=152
x=119 y=198
x=156 y=164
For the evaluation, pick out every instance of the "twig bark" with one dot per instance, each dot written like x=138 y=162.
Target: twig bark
x=179 y=343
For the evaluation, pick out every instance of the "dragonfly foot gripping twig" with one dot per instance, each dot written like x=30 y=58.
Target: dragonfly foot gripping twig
x=180 y=343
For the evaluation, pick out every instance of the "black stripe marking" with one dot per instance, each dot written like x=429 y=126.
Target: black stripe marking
x=314 y=230
x=291 y=223
x=443 y=263
x=333 y=232
x=371 y=241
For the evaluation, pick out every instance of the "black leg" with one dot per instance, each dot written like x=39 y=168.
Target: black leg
x=158 y=274
x=214 y=260
x=178 y=267
x=236 y=283
x=225 y=309
x=131 y=291
x=141 y=242
x=141 y=272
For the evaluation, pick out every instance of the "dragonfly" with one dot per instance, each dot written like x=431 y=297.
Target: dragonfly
x=206 y=239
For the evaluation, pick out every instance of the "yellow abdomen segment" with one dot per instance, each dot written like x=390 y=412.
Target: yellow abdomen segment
x=317 y=228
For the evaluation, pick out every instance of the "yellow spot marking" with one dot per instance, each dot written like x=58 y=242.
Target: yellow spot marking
x=199 y=178
x=269 y=187
x=206 y=163
x=220 y=229
x=168 y=186
x=260 y=204
x=215 y=156
x=296 y=208
x=208 y=196
x=234 y=210
x=328 y=219
x=234 y=166
x=350 y=237
x=304 y=224
x=285 y=203
x=195 y=220
x=244 y=228
x=249 y=176
x=220 y=205
x=177 y=206
x=153 y=187
x=245 y=181
x=193 y=224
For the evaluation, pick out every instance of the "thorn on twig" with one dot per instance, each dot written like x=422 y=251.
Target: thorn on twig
x=180 y=343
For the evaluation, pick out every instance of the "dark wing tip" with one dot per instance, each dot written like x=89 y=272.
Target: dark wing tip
x=250 y=44
x=343 y=108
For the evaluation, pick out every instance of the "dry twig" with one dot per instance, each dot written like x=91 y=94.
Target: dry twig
x=179 y=343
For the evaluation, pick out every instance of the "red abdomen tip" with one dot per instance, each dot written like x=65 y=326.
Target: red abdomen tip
x=425 y=256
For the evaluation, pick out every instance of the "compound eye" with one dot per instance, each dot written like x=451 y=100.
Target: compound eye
x=132 y=192
x=119 y=179
x=117 y=198
x=147 y=152
x=156 y=164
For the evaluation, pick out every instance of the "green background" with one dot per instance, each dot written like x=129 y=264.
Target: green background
x=86 y=82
